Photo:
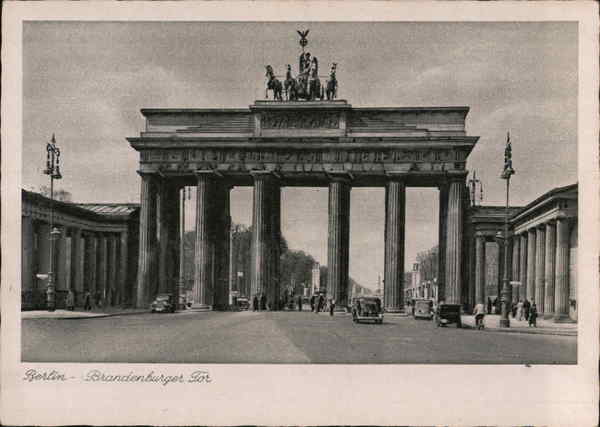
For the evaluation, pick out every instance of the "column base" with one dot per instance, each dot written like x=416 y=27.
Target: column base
x=563 y=318
x=548 y=316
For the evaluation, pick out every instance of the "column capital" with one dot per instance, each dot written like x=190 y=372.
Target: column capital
x=346 y=177
x=396 y=176
x=146 y=173
x=264 y=173
x=208 y=172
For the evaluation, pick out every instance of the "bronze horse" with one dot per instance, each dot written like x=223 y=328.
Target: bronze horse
x=273 y=84
x=306 y=86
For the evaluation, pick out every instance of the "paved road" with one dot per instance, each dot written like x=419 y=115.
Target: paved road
x=279 y=337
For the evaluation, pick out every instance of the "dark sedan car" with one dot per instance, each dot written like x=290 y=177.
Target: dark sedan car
x=163 y=303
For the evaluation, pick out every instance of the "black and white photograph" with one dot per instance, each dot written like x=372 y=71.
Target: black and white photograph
x=366 y=194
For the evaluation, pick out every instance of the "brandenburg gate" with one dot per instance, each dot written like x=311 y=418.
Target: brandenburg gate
x=310 y=143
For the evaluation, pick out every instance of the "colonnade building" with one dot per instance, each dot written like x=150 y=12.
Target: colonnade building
x=542 y=253
x=273 y=144
x=96 y=251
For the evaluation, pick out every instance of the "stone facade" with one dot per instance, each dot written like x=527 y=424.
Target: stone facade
x=96 y=251
x=320 y=144
x=542 y=253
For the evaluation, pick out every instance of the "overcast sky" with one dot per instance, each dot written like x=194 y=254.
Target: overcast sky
x=86 y=82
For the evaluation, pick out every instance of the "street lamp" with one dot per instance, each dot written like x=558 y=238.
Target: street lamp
x=53 y=170
x=506 y=174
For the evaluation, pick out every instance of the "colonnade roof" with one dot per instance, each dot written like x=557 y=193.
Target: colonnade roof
x=94 y=211
x=496 y=214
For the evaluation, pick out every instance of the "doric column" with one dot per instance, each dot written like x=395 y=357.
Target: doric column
x=162 y=233
x=123 y=269
x=102 y=265
x=61 y=261
x=113 y=283
x=265 y=217
x=395 y=218
x=77 y=254
x=454 y=235
x=442 y=230
x=480 y=269
x=531 y=263
x=91 y=257
x=550 y=270
x=540 y=268
x=338 y=240
x=27 y=262
x=205 y=244
x=523 y=266
x=146 y=279
x=221 y=259
x=561 y=290
x=516 y=247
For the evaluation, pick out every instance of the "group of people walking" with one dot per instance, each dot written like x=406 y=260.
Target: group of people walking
x=525 y=310
x=89 y=301
x=318 y=304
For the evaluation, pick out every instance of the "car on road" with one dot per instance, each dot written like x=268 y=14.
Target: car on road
x=243 y=303
x=163 y=303
x=423 y=309
x=448 y=313
x=367 y=308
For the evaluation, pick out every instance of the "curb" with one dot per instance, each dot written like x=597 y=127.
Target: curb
x=94 y=316
x=525 y=331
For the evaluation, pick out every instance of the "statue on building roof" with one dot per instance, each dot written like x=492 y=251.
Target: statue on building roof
x=306 y=86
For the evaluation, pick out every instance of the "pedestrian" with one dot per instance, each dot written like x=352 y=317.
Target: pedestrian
x=255 y=303
x=263 y=302
x=300 y=303
x=514 y=310
x=489 y=306
x=321 y=302
x=520 y=310
x=533 y=315
x=70 y=301
x=526 y=307
x=312 y=303
x=479 y=313
x=331 y=306
x=87 y=301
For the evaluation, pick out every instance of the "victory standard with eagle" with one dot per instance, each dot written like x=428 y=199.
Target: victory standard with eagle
x=306 y=86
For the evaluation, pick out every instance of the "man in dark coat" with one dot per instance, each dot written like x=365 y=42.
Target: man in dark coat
x=526 y=307
x=489 y=306
x=255 y=303
x=263 y=302
x=312 y=303
x=320 y=305
x=300 y=303
x=533 y=315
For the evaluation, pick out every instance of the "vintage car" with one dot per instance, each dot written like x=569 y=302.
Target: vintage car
x=367 y=308
x=163 y=303
x=243 y=303
x=448 y=313
x=423 y=309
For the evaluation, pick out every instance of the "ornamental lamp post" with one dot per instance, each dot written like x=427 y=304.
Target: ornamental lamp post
x=506 y=174
x=53 y=170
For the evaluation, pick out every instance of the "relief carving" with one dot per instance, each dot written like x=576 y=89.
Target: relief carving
x=300 y=121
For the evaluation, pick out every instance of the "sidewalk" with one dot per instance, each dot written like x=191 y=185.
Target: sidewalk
x=546 y=327
x=96 y=312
